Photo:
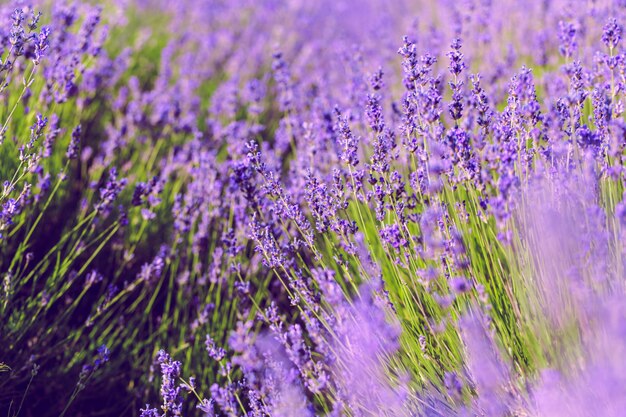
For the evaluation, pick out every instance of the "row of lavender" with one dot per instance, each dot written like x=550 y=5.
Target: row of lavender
x=309 y=213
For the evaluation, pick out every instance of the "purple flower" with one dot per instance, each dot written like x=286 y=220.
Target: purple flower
x=170 y=388
x=567 y=37
x=457 y=65
x=460 y=285
x=42 y=44
x=612 y=34
x=149 y=412
x=109 y=192
x=103 y=356
x=74 y=146
x=215 y=352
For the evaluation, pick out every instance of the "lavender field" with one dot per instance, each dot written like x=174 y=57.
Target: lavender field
x=291 y=208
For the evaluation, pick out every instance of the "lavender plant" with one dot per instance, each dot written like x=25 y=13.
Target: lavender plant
x=262 y=208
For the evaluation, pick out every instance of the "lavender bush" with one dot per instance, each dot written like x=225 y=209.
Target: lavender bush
x=333 y=208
